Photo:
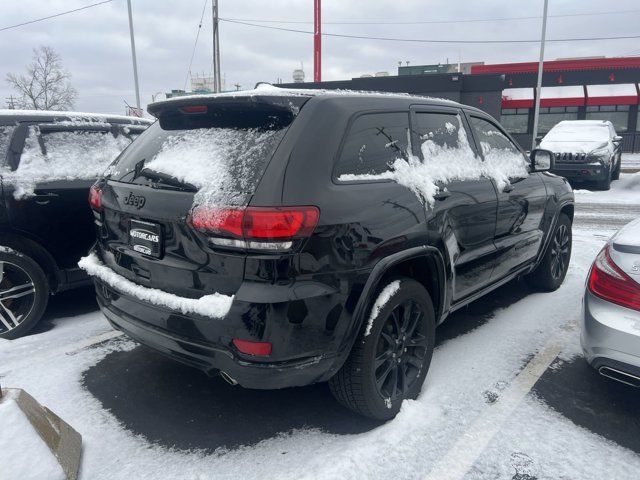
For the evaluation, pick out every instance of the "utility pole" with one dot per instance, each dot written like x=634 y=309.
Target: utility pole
x=317 y=41
x=536 y=111
x=216 y=48
x=133 y=55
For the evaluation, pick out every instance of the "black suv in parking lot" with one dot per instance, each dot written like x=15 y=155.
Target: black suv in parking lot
x=48 y=161
x=284 y=237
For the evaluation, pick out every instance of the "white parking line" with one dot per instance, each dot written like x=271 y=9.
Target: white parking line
x=463 y=454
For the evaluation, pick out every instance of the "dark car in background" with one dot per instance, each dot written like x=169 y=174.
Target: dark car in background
x=281 y=238
x=586 y=150
x=48 y=162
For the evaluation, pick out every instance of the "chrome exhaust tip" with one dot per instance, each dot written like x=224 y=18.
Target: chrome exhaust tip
x=620 y=376
x=227 y=378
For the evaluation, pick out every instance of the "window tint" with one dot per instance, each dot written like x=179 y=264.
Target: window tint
x=5 y=140
x=373 y=143
x=439 y=132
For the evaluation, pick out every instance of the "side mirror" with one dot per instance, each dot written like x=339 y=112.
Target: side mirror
x=541 y=160
x=617 y=139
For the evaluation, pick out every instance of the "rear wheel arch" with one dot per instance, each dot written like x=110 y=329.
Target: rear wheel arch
x=568 y=210
x=36 y=251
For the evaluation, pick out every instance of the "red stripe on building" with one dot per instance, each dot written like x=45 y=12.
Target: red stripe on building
x=560 y=65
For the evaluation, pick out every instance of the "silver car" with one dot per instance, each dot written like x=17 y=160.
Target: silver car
x=611 y=321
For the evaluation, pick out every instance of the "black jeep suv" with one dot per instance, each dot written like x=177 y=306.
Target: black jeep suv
x=48 y=161
x=283 y=237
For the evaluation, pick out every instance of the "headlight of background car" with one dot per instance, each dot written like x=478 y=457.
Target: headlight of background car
x=601 y=154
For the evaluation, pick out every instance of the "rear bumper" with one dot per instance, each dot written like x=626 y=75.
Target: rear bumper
x=610 y=335
x=301 y=353
x=582 y=171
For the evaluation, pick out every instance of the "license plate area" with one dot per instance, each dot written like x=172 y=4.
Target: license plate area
x=145 y=237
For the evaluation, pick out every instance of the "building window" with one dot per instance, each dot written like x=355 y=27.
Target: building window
x=515 y=120
x=616 y=114
x=550 y=116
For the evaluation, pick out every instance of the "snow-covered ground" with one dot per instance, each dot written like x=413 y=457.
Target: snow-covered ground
x=631 y=161
x=475 y=409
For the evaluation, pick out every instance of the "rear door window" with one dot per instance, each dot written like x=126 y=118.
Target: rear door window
x=6 y=132
x=374 y=142
x=440 y=133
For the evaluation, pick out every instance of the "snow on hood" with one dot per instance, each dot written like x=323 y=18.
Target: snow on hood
x=213 y=305
x=577 y=137
x=443 y=164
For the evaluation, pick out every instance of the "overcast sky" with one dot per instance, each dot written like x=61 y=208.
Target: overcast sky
x=94 y=43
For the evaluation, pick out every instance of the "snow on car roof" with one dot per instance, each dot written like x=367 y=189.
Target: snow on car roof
x=267 y=90
x=83 y=116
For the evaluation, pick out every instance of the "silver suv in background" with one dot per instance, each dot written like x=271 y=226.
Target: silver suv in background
x=611 y=322
x=585 y=150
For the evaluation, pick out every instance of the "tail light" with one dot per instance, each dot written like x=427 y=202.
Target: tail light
x=609 y=282
x=95 y=198
x=261 y=228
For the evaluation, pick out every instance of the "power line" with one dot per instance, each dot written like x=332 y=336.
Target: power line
x=430 y=22
x=423 y=40
x=29 y=22
x=193 y=52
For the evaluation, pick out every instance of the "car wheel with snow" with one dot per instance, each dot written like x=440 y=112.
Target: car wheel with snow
x=605 y=184
x=550 y=273
x=390 y=360
x=24 y=293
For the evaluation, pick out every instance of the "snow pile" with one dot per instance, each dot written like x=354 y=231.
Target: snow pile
x=222 y=163
x=577 y=136
x=23 y=454
x=445 y=163
x=70 y=155
x=385 y=295
x=5 y=139
x=214 y=305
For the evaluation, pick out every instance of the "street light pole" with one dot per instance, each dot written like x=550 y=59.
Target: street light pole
x=217 y=87
x=536 y=111
x=133 y=55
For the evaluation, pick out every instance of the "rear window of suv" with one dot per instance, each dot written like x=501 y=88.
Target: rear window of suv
x=222 y=153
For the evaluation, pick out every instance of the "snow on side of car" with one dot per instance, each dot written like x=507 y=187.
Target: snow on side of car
x=213 y=305
x=385 y=295
x=445 y=163
x=70 y=155
x=223 y=163
x=23 y=454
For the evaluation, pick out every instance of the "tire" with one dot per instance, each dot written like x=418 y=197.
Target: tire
x=355 y=385
x=616 y=171
x=549 y=275
x=606 y=183
x=24 y=293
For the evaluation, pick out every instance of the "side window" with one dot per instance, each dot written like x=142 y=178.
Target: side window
x=491 y=138
x=442 y=132
x=373 y=143
x=6 y=133
x=500 y=153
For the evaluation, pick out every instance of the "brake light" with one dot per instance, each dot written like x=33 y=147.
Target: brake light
x=194 y=109
x=269 y=228
x=259 y=349
x=95 y=197
x=609 y=282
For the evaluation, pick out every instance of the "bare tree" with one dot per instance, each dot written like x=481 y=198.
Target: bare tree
x=45 y=86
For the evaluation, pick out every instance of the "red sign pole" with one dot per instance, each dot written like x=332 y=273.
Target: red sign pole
x=317 y=42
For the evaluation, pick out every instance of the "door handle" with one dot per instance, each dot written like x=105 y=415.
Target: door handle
x=442 y=194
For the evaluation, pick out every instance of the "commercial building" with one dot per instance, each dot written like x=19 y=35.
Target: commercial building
x=572 y=89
